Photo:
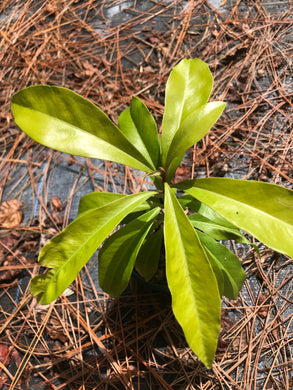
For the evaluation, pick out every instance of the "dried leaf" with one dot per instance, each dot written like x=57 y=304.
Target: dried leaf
x=10 y=239
x=89 y=69
x=154 y=38
x=226 y=325
x=56 y=202
x=57 y=217
x=29 y=246
x=9 y=274
x=57 y=334
x=182 y=173
x=10 y=216
x=4 y=354
x=263 y=309
x=3 y=380
x=16 y=357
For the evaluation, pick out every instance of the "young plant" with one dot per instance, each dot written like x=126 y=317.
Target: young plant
x=190 y=222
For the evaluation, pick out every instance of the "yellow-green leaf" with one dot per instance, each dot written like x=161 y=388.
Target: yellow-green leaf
x=196 y=300
x=188 y=87
x=227 y=262
x=263 y=210
x=63 y=120
x=147 y=129
x=118 y=254
x=148 y=257
x=94 y=200
x=68 y=252
x=192 y=128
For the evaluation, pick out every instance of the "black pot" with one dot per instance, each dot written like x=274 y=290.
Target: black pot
x=158 y=291
x=149 y=286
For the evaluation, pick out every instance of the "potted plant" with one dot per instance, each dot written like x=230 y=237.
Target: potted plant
x=190 y=217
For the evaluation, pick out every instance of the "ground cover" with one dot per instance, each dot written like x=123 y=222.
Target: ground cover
x=108 y=51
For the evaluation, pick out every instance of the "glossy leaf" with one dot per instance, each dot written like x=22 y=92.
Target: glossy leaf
x=63 y=120
x=188 y=87
x=195 y=296
x=94 y=200
x=128 y=128
x=209 y=213
x=147 y=128
x=217 y=231
x=217 y=271
x=68 y=252
x=149 y=255
x=207 y=220
x=118 y=254
x=192 y=129
x=261 y=209
x=227 y=262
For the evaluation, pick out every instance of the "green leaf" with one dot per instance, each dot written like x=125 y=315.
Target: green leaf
x=130 y=131
x=148 y=257
x=188 y=202
x=207 y=220
x=227 y=262
x=188 y=87
x=192 y=129
x=147 y=205
x=147 y=129
x=209 y=213
x=188 y=116
x=94 y=200
x=215 y=230
x=195 y=296
x=68 y=252
x=261 y=209
x=118 y=254
x=63 y=120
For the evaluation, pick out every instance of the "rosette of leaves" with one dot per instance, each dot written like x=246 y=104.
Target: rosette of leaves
x=190 y=222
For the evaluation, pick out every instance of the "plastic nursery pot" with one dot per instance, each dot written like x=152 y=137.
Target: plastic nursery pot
x=157 y=284
x=139 y=286
x=149 y=286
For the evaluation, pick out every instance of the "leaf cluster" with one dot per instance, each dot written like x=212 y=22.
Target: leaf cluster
x=188 y=219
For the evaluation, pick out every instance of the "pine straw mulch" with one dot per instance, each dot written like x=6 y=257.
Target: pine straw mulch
x=87 y=340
